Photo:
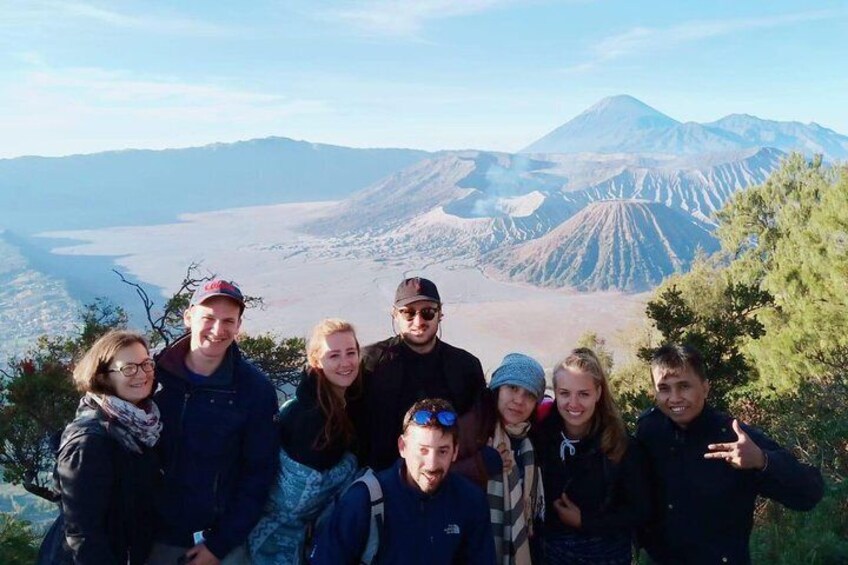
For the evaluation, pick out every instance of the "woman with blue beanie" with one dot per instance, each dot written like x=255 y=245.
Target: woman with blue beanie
x=516 y=498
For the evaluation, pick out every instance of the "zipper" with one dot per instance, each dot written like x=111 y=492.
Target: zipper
x=216 y=509
x=175 y=450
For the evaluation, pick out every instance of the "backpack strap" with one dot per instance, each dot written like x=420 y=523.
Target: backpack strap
x=375 y=531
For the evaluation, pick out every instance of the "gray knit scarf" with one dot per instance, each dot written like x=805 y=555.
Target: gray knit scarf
x=138 y=425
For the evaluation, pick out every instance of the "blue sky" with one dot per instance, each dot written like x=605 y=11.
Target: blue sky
x=86 y=76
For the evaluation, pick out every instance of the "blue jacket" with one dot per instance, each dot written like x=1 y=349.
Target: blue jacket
x=450 y=526
x=297 y=499
x=307 y=483
x=218 y=448
x=705 y=507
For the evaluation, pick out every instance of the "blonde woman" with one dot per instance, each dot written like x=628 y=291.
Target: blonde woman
x=595 y=485
x=317 y=441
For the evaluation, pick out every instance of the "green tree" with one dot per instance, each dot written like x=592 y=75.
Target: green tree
x=282 y=359
x=598 y=344
x=18 y=543
x=755 y=221
x=37 y=398
x=718 y=316
x=808 y=267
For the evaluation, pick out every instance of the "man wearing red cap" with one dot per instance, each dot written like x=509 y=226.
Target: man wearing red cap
x=219 y=451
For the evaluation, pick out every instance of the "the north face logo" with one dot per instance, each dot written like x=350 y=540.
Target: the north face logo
x=452 y=529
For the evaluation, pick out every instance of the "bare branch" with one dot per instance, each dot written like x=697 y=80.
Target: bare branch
x=165 y=327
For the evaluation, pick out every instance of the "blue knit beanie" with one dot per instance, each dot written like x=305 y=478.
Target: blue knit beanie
x=520 y=370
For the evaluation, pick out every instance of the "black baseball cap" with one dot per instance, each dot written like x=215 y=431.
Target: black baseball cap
x=415 y=289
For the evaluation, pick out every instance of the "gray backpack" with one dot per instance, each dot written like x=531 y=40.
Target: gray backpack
x=375 y=531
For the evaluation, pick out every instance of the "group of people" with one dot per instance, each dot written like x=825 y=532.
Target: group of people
x=398 y=452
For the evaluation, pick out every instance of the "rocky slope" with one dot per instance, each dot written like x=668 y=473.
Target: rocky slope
x=614 y=244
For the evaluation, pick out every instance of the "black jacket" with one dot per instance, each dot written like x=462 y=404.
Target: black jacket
x=705 y=507
x=106 y=508
x=613 y=497
x=302 y=423
x=388 y=383
x=219 y=450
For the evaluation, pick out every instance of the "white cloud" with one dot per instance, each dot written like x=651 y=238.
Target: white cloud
x=30 y=58
x=58 y=111
x=406 y=17
x=640 y=40
x=60 y=13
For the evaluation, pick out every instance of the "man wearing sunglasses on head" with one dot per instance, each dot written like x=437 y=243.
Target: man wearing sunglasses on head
x=430 y=515
x=416 y=364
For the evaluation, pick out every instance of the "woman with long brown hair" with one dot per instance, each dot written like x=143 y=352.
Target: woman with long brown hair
x=317 y=442
x=595 y=485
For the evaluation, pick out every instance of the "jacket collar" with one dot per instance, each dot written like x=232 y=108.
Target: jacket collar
x=173 y=358
x=701 y=423
x=307 y=388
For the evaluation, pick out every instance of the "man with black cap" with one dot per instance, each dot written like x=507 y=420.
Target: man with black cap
x=416 y=364
x=219 y=443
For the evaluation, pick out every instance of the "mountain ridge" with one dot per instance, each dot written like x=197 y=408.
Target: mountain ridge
x=117 y=188
x=624 y=124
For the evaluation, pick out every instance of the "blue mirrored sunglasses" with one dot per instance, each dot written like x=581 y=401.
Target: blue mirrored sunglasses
x=444 y=417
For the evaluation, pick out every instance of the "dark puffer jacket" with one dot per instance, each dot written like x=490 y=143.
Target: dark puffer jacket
x=219 y=449
x=106 y=507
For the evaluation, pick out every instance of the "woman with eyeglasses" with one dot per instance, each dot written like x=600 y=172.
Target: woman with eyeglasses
x=596 y=491
x=515 y=495
x=106 y=466
x=317 y=442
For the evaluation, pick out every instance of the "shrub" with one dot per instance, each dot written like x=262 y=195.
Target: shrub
x=18 y=543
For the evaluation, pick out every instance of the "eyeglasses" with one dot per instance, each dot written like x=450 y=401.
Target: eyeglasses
x=130 y=369
x=427 y=313
x=444 y=417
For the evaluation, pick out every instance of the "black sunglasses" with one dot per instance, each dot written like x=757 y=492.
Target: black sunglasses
x=444 y=417
x=427 y=313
